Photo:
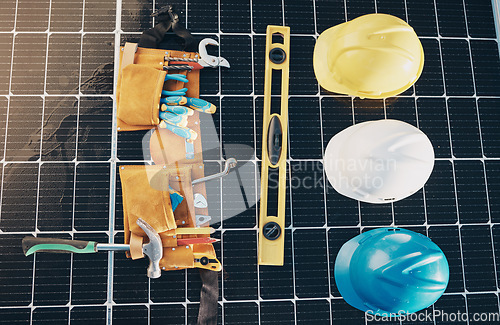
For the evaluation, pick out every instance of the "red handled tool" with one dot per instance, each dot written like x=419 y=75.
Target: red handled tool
x=192 y=241
x=205 y=60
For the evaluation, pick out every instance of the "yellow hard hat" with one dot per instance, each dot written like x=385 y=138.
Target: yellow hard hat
x=372 y=56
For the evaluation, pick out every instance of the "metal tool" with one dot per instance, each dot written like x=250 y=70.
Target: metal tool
x=153 y=250
x=230 y=163
x=274 y=149
x=205 y=60
x=200 y=201
x=201 y=219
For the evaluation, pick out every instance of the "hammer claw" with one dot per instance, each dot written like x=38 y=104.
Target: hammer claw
x=153 y=250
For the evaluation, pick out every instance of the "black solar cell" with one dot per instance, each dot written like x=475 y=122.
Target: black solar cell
x=282 y=312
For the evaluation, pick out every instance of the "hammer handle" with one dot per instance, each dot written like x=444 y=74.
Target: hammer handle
x=54 y=245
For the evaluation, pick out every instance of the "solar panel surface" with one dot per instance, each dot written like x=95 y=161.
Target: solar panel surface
x=60 y=153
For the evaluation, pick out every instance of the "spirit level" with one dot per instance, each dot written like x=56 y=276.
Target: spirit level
x=274 y=149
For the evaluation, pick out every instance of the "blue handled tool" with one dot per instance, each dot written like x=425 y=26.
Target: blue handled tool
x=184 y=132
x=179 y=110
x=174 y=100
x=179 y=92
x=179 y=120
x=193 y=103
x=175 y=198
x=176 y=76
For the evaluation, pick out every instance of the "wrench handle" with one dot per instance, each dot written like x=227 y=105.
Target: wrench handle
x=32 y=245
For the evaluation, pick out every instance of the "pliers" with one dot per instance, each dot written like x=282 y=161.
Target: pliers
x=204 y=61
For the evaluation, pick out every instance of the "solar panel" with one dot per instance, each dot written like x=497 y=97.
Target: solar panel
x=60 y=151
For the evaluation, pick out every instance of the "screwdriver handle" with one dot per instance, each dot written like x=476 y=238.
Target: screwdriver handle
x=181 y=131
x=54 y=245
x=200 y=105
x=193 y=103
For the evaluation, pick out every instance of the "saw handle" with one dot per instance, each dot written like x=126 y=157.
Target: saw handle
x=54 y=245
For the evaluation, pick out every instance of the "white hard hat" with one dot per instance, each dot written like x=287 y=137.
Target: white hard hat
x=379 y=161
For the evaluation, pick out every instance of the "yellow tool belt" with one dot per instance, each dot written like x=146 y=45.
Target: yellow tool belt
x=146 y=189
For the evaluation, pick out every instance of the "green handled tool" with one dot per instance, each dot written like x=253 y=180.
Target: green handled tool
x=153 y=249
x=55 y=245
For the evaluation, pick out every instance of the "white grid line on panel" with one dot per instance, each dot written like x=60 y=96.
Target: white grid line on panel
x=250 y=95
x=325 y=207
x=327 y=228
x=233 y=301
x=255 y=178
x=476 y=293
x=482 y=150
x=233 y=34
x=453 y=166
x=222 y=231
x=112 y=171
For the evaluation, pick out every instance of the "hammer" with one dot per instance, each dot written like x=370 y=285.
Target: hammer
x=153 y=249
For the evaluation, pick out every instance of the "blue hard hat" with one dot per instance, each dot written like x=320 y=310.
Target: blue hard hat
x=391 y=271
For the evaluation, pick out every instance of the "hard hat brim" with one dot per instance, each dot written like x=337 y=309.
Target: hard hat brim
x=320 y=64
x=343 y=277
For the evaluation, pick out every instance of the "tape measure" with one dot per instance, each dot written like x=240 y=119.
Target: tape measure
x=274 y=149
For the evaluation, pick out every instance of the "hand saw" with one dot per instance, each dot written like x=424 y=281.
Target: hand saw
x=274 y=149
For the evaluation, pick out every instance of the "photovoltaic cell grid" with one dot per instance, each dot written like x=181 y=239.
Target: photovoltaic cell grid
x=60 y=153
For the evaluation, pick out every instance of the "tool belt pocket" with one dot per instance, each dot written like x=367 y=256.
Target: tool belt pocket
x=140 y=93
x=145 y=195
x=141 y=79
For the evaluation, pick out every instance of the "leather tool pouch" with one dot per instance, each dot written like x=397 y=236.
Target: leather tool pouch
x=140 y=94
x=140 y=81
x=146 y=195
